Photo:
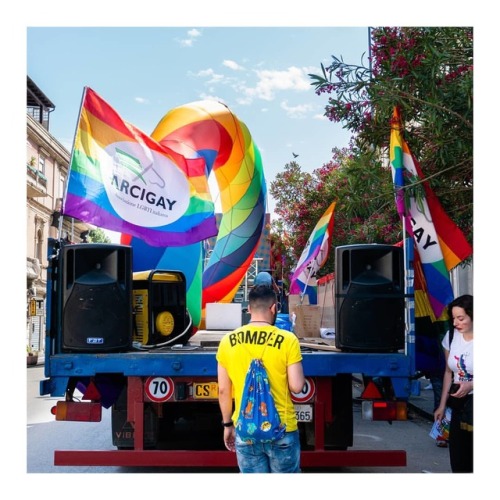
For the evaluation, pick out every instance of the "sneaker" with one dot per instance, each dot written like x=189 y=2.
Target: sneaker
x=441 y=443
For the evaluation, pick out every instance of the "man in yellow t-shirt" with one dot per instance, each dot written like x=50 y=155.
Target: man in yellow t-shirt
x=280 y=352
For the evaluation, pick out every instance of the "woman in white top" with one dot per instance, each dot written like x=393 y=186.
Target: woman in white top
x=458 y=384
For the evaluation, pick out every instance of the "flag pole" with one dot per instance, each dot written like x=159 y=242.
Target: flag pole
x=409 y=277
x=65 y=195
x=305 y=286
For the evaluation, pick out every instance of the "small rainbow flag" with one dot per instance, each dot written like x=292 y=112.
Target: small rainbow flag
x=441 y=245
x=315 y=252
x=123 y=180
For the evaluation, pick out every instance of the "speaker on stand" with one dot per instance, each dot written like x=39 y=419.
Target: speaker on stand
x=369 y=298
x=96 y=295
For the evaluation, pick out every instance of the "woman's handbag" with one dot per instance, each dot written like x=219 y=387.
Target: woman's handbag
x=464 y=405
x=456 y=404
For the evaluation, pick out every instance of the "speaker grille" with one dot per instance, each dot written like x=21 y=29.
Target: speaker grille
x=97 y=298
x=369 y=296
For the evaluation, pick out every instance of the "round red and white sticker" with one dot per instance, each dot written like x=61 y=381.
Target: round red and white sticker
x=306 y=393
x=159 y=389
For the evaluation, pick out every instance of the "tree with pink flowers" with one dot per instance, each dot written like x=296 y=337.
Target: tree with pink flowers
x=428 y=73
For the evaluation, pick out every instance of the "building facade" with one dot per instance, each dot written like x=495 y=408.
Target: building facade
x=47 y=163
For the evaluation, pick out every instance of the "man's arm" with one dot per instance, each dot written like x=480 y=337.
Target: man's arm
x=225 y=393
x=226 y=405
x=296 y=379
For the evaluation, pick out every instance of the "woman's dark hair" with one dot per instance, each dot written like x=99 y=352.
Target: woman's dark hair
x=465 y=302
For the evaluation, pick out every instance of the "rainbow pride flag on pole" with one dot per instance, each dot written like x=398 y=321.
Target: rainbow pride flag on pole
x=123 y=180
x=441 y=245
x=314 y=254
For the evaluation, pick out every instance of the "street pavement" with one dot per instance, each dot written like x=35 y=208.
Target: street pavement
x=423 y=404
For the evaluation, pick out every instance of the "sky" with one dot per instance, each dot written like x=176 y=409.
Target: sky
x=260 y=73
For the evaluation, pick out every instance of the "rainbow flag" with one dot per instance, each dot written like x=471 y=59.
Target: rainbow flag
x=314 y=254
x=441 y=245
x=123 y=180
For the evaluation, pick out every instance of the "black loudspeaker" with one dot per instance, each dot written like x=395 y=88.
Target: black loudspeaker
x=96 y=281
x=369 y=298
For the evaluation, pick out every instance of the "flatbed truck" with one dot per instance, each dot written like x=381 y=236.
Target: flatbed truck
x=164 y=403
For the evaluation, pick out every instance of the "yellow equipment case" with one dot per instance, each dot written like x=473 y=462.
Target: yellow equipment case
x=159 y=305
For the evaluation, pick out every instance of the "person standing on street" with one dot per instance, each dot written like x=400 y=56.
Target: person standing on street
x=266 y=278
x=280 y=352
x=458 y=384
x=429 y=358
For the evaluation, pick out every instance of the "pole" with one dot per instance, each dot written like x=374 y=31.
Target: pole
x=307 y=282
x=410 y=304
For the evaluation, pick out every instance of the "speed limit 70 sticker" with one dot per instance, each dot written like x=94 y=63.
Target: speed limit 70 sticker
x=307 y=392
x=159 y=389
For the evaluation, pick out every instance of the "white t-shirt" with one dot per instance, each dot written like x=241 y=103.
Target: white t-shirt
x=460 y=359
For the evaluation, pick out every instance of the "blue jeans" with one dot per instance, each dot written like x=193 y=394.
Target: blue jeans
x=437 y=388
x=279 y=456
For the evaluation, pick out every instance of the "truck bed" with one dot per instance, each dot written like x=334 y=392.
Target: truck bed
x=197 y=358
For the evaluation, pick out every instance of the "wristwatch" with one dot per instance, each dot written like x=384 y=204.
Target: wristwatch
x=227 y=424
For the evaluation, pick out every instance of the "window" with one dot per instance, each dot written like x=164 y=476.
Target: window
x=41 y=164
x=39 y=245
x=60 y=192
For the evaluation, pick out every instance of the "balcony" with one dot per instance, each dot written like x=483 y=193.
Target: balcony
x=36 y=185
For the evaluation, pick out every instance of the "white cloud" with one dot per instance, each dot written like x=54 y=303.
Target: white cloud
x=270 y=81
x=141 y=100
x=232 y=65
x=211 y=97
x=210 y=74
x=193 y=34
x=186 y=42
x=267 y=85
x=299 y=111
x=244 y=101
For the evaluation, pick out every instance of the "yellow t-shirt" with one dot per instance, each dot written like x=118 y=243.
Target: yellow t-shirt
x=278 y=349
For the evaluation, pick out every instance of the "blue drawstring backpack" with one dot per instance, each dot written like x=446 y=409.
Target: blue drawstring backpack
x=259 y=420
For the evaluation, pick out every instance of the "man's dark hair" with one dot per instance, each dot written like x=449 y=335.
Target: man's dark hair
x=261 y=295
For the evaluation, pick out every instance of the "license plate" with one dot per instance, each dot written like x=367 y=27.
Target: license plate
x=205 y=390
x=304 y=413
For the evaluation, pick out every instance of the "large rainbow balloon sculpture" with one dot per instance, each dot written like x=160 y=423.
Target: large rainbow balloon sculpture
x=208 y=129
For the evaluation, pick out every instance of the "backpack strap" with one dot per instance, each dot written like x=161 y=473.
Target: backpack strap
x=263 y=350
x=262 y=361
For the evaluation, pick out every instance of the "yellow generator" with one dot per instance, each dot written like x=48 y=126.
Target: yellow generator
x=161 y=317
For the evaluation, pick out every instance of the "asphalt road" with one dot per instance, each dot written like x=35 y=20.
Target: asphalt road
x=44 y=435
x=33 y=465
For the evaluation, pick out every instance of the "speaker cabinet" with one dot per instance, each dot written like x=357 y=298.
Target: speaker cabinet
x=369 y=296
x=96 y=297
